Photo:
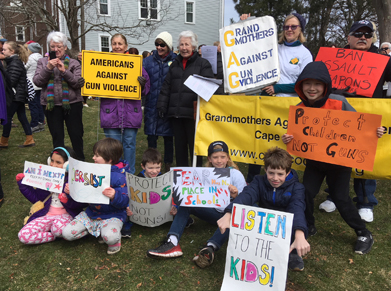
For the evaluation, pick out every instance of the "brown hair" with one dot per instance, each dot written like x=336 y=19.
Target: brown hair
x=281 y=36
x=277 y=158
x=109 y=149
x=151 y=155
x=121 y=36
x=230 y=163
x=20 y=50
x=133 y=51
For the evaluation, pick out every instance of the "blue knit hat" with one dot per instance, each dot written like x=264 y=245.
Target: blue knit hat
x=302 y=20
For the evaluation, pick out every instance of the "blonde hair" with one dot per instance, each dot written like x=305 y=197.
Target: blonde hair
x=281 y=36
x=230 y=163
x=374 y=37
x=19 y=50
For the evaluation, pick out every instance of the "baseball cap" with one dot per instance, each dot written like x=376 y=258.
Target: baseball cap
x=361 y=23
x=212 y=150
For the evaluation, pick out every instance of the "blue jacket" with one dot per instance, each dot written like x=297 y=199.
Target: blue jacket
x=289 y=197
x=157 y=69
x=117 y=206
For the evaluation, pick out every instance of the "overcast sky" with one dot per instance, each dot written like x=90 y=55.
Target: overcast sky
x=230 y=12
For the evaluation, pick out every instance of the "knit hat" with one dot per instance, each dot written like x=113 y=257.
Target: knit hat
x=302 y=20
x=212 y=150
x=34 y=47
x=2 y=39
x=30 y=41
x=361 y=23
x=166 y=37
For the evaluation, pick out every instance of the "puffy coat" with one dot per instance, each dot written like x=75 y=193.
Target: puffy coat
x=176 y=99
x=31 y=67
x=71 y=76
x=157 y=69
x=17 y=75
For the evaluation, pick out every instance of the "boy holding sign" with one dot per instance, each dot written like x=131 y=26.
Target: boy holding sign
x=314 y=87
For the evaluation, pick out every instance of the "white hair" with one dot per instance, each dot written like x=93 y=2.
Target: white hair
x=386 y=43
x=189 y=34
x=57 y=37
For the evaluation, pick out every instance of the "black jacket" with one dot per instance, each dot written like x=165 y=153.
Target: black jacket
x=175 y=98
x=17 y=75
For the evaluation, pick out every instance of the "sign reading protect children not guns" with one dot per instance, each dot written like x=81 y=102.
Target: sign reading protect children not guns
x=111 y=75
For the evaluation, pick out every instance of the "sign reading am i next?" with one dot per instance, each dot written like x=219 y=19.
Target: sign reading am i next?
x=111 y=75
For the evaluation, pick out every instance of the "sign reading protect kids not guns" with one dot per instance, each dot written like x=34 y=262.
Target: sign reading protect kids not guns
x=249 y=53
x=359 y=70
x=111 y=75
x=150 y=199
x=87 y=181
x=258 y=249
x=333 y=136
x=201 y=187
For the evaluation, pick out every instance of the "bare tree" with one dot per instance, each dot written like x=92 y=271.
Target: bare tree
x=383 y=11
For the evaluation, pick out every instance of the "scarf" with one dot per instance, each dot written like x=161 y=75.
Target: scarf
x=65 y=91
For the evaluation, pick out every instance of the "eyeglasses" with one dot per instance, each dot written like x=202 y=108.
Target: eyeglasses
x=293 y=27
x=359 y=34
x=52 y=47
x=160 y=44
x=384 y=48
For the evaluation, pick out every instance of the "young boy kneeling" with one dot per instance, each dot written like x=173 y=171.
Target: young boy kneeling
x=279 y=190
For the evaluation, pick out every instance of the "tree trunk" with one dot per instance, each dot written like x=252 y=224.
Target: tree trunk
x=383 y=10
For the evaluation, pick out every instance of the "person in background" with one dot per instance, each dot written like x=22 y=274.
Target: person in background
x=133 y=51
x=146 y=54
x=217 y=43
x=199 y=49
x=2 y=56
x=385 y=48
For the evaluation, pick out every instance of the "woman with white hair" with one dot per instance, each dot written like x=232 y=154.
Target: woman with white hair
x=60 y=80
x=176 y=101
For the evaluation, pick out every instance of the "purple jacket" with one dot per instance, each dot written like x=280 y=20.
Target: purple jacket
x=35 y=195
x=123 y=113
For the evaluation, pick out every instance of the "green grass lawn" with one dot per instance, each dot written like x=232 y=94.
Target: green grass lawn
x=84 y=264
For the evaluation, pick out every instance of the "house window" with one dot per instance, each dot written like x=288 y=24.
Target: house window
x=19 y=32
x=104 y=44
x=190 y=12
x=149 y=9
x=104 y=7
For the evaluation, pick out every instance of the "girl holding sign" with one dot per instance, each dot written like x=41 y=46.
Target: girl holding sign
x=46 y=224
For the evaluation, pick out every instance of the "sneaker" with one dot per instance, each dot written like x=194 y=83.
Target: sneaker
x=166 y=250
x=327 y=206
x=205 y=257
x=41 y=125
x=126 y=233
x=295 y=262
x=312 y=230
x=190 y=222
x=366 y=214
x=85 y=105
x=113 y=250
x=36 y=129
x=364 y=243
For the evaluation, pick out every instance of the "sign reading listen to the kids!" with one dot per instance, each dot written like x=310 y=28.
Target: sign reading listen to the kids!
x=201 y=187
x=111 y=75
x=249 y=53
x=43 y=177
x=150 y=199
x=333 y=136
x=258 y=249
x=87 y=181
x=359 y=70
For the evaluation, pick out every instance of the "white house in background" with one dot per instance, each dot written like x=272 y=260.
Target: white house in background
x=204 y=17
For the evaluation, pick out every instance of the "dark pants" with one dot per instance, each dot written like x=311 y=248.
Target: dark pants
x=36 y=110
x=168 y=146
x=253 y=170
x=1 y=189
x=338 y=178
x=74 y=122
x=16 y=107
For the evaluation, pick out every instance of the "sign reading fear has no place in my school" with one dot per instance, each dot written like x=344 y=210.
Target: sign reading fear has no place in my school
x=111 y=75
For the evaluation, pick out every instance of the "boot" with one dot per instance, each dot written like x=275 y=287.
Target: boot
x=167 y=167
x=4 y=142
x=29 y=142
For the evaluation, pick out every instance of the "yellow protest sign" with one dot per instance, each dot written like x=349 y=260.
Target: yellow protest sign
x=111 y=75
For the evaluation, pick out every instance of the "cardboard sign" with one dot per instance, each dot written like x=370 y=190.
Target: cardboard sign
x=87 y=181
x=358 y=69
x=111 y=75
x=43 y=177
x=250 y=56
x=201 y=187
x=334 y=136
x=150 y=199
x=258 y=249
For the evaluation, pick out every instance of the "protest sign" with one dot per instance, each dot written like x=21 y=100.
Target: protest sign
x=43 y=177
x=111 y=75
x=87 y=181
x=249 y=54
x=337 y=137
x=210 y=53
x=359 y=70
x=258 y=249
x=201 y=187
x=150 y=199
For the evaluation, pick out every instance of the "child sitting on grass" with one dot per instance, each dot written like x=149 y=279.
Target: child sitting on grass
x=102 y=219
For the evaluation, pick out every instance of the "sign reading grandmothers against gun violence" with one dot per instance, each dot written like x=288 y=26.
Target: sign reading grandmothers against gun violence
x=359 y=70
x=250 y=57
x=111 y=75
x=150 y=199
x=258 y=249
x=333 y=136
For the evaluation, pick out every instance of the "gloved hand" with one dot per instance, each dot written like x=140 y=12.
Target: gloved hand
x=142 y=81
x=81 y=82
x=19 y=177
x=162 y=114
x=63 y=197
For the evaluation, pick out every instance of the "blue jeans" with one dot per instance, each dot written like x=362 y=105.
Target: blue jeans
x=369 y=185
x=36 y=110
x=128 y=140
x=209 y=215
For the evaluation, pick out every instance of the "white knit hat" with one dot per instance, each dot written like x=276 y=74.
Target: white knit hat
x=166 y=37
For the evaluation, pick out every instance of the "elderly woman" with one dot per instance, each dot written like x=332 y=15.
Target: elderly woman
x=177 y=101
x=60 y=80
x=121 y=118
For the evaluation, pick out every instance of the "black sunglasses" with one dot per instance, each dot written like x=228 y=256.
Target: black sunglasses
x=293 y=27
x=160 y=44
x=359 y=34
x=384 y=48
